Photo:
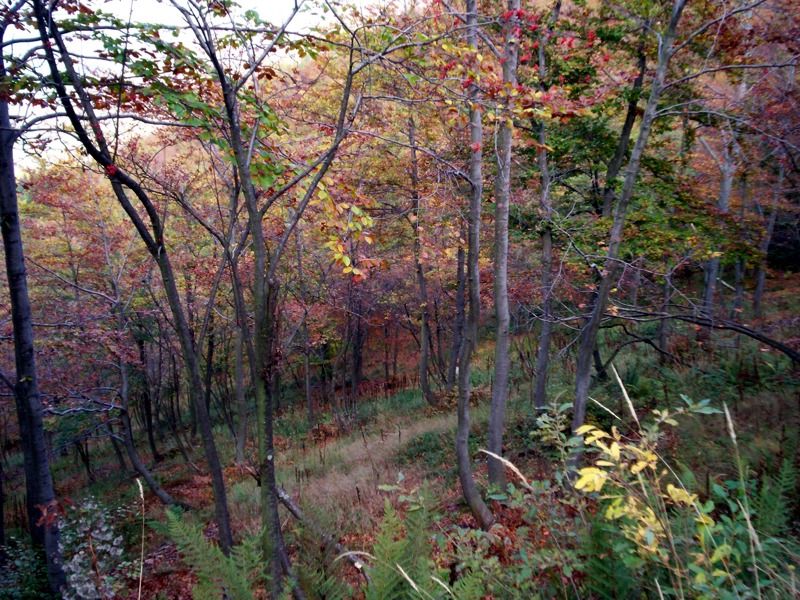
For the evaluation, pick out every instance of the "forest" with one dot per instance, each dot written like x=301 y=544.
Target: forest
x=400 y=299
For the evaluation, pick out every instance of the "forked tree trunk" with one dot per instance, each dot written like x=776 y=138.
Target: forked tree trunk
x=502 y=196
x=153 y=238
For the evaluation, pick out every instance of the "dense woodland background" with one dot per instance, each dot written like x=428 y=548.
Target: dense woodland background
x=431 y=299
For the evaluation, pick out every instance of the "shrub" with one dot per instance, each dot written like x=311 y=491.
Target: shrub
x=93 y=551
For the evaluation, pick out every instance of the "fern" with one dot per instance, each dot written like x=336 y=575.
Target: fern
x=320 y=574
x=607 y=576
x=401 y=553
x=773 y=505
x=220 y=576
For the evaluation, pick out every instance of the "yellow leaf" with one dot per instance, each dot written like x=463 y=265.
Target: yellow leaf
x=680 y=495
x=614 y=451
x=723 y=551
x=700 y=578
x=704 y=520
x=591 y=479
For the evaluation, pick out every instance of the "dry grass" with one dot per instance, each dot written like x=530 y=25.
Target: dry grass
x=341 y=478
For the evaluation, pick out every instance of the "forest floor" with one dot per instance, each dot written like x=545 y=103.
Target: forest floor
x=337 y=482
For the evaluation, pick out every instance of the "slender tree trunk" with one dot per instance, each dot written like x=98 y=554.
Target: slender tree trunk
x=624 y=137
x=309 y=396
x=425 y=329
x=396 y=349
x=38 y=481
x=386 y=343
x=502 y=196
x=82 y=452
x=128 y=441
x=209 y=374
x=761 y=276
x=588 y=337
x=458 y=327
x=727 y=169
x=468 y=487
x=663 y=325
x=3 y=556
x=123 y=466
x=546 y=208
x=241 y=400
x=147 y=403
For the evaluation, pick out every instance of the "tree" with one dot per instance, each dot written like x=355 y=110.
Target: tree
x=98 y=148
x=502 y=198
x=588 y=337
x=468 y=487
x=41 y=503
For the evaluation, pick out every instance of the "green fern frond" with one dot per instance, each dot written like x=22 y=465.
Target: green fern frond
x=773 y=504
x=219 y=576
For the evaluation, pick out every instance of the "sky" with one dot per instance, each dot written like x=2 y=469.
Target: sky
x=275 y=11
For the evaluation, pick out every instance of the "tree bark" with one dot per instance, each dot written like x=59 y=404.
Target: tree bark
x=502 y=195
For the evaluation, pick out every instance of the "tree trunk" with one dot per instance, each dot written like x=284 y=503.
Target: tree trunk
x=761 y=277
x=425 y=313
x=624 y=137
x=82 y=453
x=386 y=343
x=123 y=466
x=458 y=327
x=241 y=400
x=546 y=208
x=502 y=195
x=128 y=441
x=3 y=556
x=38 y=481
x=147 y=403
x=468 y=487
x=663 y=325
x=588 y=337
x=209 y=374
x=727 y=169
x=309 y=397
